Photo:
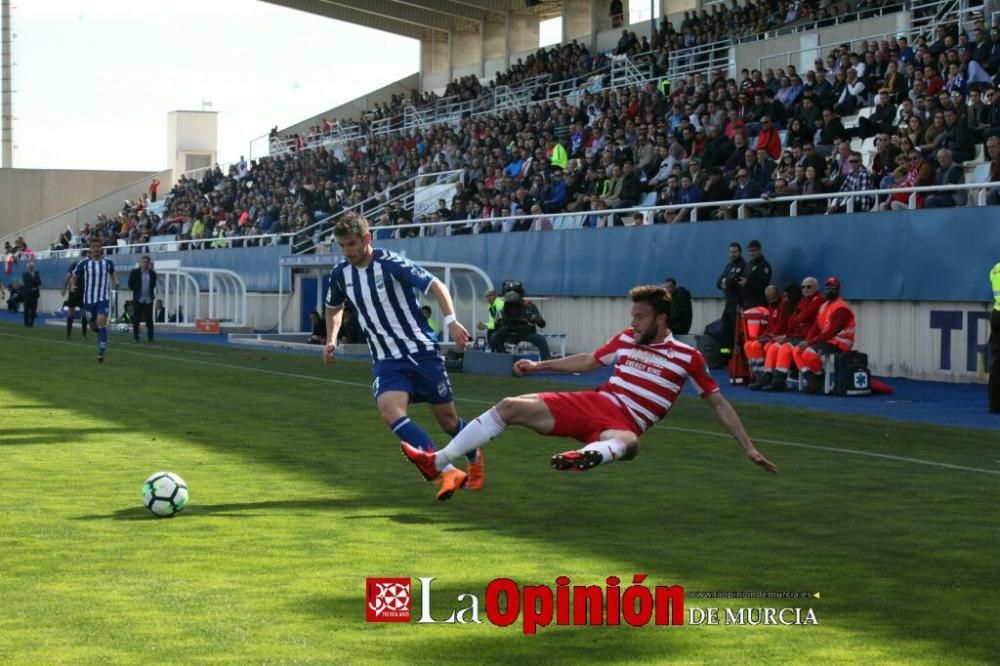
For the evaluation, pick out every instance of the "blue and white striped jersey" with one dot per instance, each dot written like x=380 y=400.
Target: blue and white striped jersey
x=384 y=294
x=96 y=279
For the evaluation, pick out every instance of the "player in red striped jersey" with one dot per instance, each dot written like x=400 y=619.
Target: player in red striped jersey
x=650 y=369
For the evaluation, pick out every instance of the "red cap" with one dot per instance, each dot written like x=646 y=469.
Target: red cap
x=832 y=282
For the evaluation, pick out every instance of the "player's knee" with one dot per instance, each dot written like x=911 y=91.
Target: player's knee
x=390 y=415
x=631 y=447
x=508 y=409
x=448 y=422
x=516 y=410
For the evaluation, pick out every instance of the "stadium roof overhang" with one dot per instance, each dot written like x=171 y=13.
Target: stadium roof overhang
x=410 y=18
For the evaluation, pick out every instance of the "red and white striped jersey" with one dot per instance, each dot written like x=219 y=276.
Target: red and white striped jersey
x=648 y=378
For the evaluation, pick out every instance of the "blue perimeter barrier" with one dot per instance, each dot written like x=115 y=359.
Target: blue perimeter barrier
x=928 y=255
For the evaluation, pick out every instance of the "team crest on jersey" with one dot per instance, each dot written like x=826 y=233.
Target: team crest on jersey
x=379 y=283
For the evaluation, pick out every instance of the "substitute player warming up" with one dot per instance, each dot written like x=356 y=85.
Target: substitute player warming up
x=650 y=368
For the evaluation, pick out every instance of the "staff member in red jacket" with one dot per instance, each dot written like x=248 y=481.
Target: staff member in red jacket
x=777 y=320
x=832 y=332
x=778 y=356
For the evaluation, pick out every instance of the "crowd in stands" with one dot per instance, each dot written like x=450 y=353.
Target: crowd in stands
x=928 y=107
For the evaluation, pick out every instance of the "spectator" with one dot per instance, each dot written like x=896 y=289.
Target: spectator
x=956 y=137
x=858 y=180
x=768 y=139
x=154 y=186
x=743 y=188
x=948 y=173
x=919 y=173
x=617 y=13
x=687 y=193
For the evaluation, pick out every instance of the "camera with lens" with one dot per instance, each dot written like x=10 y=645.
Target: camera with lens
x=519 y=315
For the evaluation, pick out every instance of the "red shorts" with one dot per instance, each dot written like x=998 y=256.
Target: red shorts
x=584 y=415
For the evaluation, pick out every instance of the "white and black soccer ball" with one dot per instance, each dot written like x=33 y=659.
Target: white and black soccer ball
x=164 y=494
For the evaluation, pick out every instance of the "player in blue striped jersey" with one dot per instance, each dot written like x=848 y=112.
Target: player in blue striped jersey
x=382 y=286
x=96 y=276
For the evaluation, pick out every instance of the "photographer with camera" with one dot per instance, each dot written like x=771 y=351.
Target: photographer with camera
x=518 y=321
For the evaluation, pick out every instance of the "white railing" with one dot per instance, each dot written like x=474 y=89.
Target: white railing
x=803 y=25
x=373 y=205
x=742 y=209
x=174 y=245
x=818 y=49
x=699 y=58
x=977 y=198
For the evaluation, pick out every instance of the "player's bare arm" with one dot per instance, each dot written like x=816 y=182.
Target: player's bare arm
x=727 y=415
x=459 y=334
x=334 y=317
x=575 y=363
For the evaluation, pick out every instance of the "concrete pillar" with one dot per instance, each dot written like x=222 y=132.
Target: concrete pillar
x=192 y=140
x=576 y=19
x=508 y=21
x=523 y=33
x=451 y=55
x=434 y=50
x=494 y=45
x=466 y=49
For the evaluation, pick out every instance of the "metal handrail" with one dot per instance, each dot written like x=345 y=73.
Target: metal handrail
x=405 y=186
x=156 y=246
x=740 y=204
x=819 y=47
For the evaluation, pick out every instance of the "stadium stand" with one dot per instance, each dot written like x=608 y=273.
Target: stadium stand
x=567 y=131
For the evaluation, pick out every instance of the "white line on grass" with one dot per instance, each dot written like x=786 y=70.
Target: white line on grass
x=709 y=433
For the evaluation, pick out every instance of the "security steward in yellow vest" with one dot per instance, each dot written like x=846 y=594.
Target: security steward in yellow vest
x=995 y=341
x=494 y=305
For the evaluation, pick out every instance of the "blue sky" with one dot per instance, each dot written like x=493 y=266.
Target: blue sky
x=95 y=79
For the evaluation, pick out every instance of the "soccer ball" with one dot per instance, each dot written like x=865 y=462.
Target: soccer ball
x=164 y=494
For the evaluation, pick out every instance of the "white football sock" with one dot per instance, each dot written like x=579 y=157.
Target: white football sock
x=610 y=450
x=475 y=434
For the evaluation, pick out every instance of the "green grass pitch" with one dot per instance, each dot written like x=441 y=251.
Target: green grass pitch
x=299 y=492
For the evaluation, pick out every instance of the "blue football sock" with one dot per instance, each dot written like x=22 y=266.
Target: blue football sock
x=102 y=338
x=473 y=456
x=412 y=434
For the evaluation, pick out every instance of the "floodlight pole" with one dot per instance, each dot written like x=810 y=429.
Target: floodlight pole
x=6 y=103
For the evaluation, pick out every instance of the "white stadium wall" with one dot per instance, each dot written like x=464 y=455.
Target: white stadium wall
x=931 y=341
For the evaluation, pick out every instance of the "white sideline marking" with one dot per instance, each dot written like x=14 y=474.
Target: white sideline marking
x=343 y=382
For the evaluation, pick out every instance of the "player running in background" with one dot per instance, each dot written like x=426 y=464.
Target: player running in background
x=95 y=275
x=74 y=301
x=650 y=368
x=408 y=367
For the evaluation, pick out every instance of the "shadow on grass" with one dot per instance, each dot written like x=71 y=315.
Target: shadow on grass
x=194 y=510
x=487 y=643
x=699 y=518
x=52 y=435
